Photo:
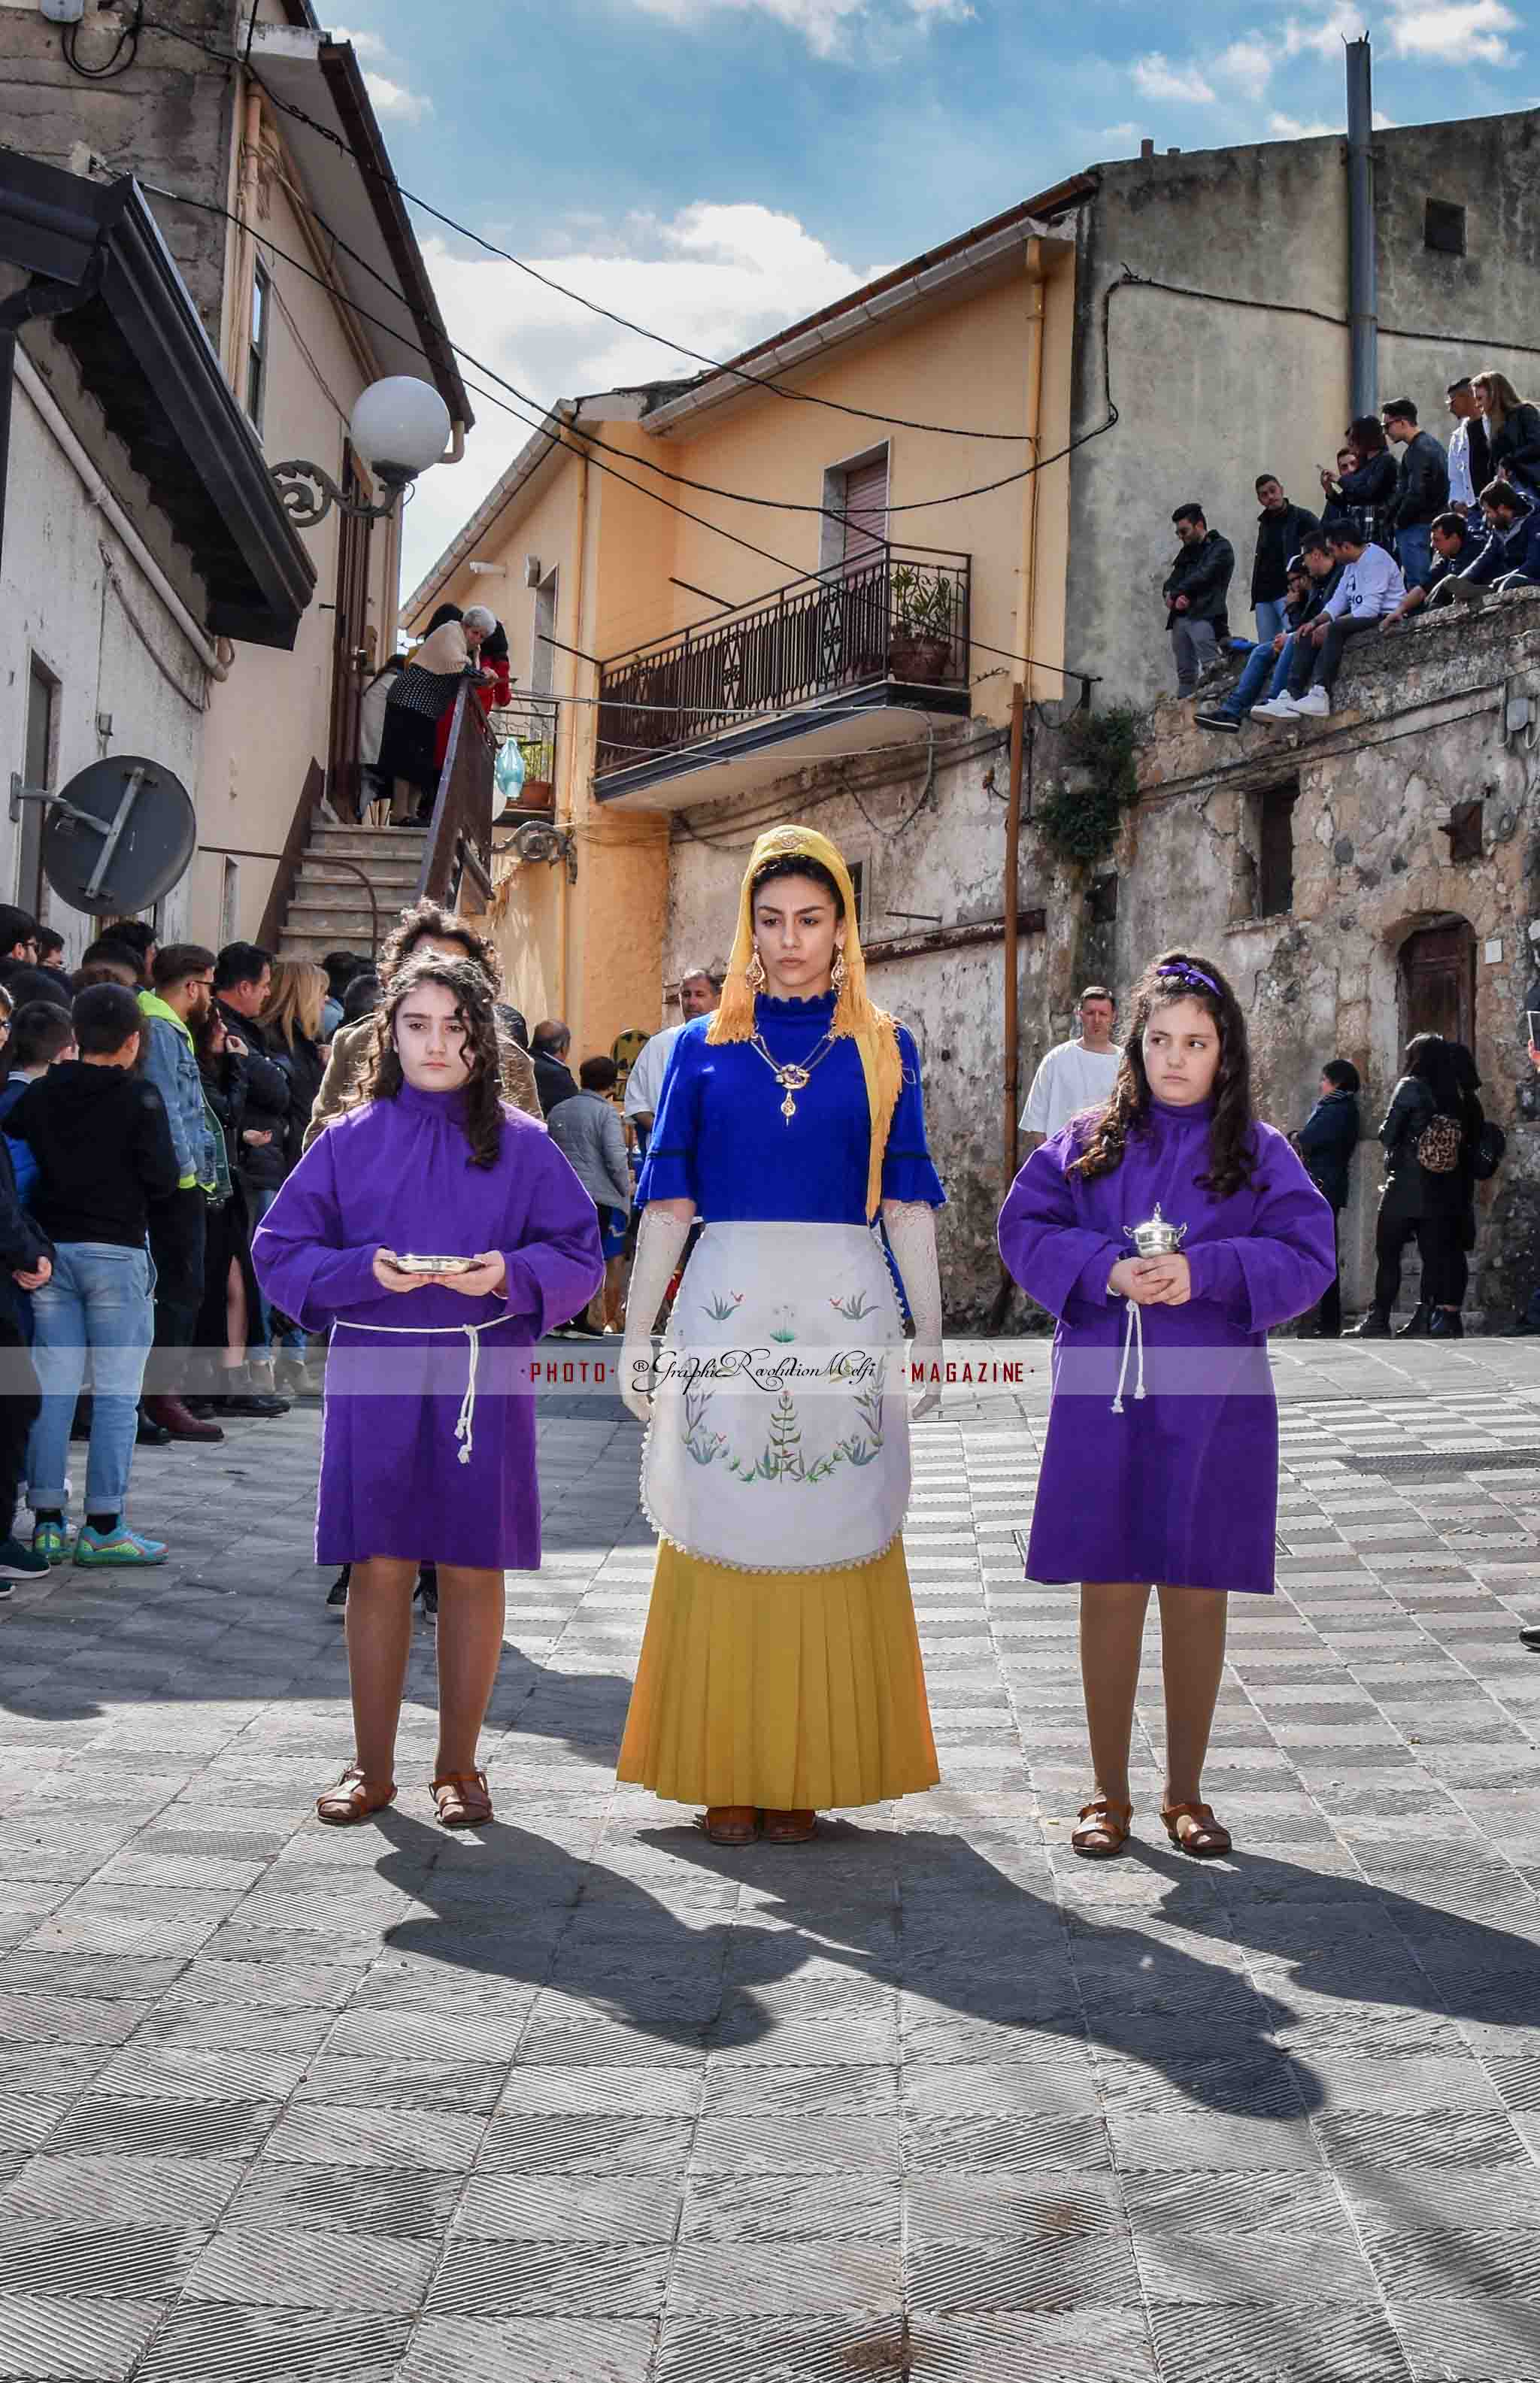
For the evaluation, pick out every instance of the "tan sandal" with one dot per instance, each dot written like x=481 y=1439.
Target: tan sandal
x=462 y=1799
x=1103 y=1829
x=789 y=1828
x=353 y=1798
x=1206 y=1838
x=729 y=1824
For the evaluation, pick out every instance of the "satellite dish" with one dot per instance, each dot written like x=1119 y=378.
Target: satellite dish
x=118 y=837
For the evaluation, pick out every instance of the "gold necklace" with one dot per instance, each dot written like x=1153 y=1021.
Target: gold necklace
x=792 y=1078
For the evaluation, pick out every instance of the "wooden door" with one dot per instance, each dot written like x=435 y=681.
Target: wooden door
x=1438 y=983
x=354 y=658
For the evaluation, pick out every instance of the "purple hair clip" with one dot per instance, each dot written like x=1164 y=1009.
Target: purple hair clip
x=1187 y=974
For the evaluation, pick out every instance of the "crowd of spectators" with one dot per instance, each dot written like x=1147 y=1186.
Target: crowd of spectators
x=1406 y=524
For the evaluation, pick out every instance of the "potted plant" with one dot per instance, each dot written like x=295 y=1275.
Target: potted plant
x=920 y=648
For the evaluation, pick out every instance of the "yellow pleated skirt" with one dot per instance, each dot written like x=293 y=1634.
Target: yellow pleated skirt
x=793 y=1691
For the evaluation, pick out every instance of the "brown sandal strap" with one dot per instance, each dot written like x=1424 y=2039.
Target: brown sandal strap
x=462 y=1799
x=1101 y=1818
x=1208 y=1835
x=793 y=1827
x=353 y=1798
x=740 y=1829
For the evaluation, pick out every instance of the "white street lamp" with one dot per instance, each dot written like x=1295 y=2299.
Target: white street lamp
x=400 y=427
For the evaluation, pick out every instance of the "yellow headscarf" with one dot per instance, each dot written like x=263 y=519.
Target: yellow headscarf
x=874 y=1033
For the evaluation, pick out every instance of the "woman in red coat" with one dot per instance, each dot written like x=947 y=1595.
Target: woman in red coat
x=495 y=692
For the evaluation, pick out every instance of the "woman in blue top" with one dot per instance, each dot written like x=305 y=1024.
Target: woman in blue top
x=781 y=1672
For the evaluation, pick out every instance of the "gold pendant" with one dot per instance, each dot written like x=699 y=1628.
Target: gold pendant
x=788 y=1108
x=794 y=1080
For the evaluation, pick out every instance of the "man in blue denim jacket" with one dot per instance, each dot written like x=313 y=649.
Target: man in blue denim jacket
x=183 y=975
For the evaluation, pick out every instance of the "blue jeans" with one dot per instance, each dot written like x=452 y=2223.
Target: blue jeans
x=1261 y=666
x=99 y=1301
x=1414 y=551
x=1272 y=617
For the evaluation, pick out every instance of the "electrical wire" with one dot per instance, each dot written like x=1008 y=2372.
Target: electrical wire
x=116 y=61
x=540 y=423
x=622 y=322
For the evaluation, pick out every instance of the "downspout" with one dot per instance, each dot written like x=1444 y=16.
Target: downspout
x=247 y=206
x=1020 y=697
x=567 y=814
x=1362 y=266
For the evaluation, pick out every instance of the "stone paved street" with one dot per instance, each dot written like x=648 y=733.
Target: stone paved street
x=580 y=2097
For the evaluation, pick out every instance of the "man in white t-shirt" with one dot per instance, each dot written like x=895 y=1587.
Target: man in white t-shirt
x=1075 y=1076
x=698 y=995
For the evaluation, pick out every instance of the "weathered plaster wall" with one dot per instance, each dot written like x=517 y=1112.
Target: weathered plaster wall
x=112 y=648
x=168 y=117
x=1211 y=394
x=1420 y=726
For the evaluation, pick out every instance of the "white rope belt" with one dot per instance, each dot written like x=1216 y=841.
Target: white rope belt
x=1133 y=1332
x=465 y=1429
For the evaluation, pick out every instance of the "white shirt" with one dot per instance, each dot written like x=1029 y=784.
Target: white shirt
x=643 y=1086
x=1070 y=1079
x=1461 y=488
x=1368 y=588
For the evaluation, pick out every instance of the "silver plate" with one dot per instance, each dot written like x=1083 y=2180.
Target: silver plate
x=405 y=1263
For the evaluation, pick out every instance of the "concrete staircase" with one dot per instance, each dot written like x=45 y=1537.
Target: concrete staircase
x=330 y=908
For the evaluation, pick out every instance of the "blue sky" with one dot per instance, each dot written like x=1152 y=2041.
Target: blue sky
x=716 y=167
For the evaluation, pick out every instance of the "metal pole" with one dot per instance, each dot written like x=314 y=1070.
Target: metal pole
x=1363 y=267
x=7 y=383
x=1010 y=906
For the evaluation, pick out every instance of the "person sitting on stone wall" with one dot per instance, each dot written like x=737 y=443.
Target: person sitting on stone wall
x=1455 y=544
x=1312 y=576
x=1196 y=589
x=1510 y=557
x=1369 y=588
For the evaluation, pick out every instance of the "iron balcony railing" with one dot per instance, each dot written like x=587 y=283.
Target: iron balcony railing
x=898 y=615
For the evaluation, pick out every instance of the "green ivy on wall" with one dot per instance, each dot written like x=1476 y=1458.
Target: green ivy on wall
x=1080 y=819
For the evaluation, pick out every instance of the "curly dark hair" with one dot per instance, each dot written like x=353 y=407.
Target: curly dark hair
x=382 y=1076
x=431 y=919
x=1178 y=976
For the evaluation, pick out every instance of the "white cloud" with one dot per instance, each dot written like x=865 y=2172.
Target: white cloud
x=1342 y=21
x=717 y=276
x=1156 y=78
x=1120 y=132
x=1456 y=30
x=1290 y=128
x=827 y=26
x=1248 y=64
x=394 y=99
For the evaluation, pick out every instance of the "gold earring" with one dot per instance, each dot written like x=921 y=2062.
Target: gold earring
x=836 y=974
x=754 y=975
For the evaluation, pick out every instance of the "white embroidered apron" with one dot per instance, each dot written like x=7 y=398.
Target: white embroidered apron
x=780 y=1432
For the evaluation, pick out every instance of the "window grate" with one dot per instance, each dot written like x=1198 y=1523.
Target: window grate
x=1444 y=227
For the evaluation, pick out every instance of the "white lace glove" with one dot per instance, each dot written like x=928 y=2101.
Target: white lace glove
x=911 y=1231
x=660 y=1239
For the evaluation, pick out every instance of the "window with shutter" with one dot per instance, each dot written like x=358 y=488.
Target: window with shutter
x=866 y=509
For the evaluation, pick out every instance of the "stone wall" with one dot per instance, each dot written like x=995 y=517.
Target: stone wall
x=1421 y=725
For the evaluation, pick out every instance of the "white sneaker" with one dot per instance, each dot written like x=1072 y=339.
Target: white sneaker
x=1314 y=704
x=1281 y=708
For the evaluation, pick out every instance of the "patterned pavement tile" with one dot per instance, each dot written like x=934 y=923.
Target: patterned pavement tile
x=273 y=2269
x=73 y=2342
x=244 y=2345
x=494 y=2277
x=1093 y=2344
x=1255 y=2342
x=818 y=2351
x=635 y=2209
x=530 y=2350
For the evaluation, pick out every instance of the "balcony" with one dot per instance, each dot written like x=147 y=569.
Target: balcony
x=842 y=659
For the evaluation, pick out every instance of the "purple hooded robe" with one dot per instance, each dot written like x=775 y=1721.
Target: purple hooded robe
x=399 y=1175
x=1182 y=1487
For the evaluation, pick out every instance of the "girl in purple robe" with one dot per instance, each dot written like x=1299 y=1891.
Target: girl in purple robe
x=1162 y=1457
x=427 y=1450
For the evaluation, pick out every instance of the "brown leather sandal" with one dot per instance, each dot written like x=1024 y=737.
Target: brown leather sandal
x=1206 y=1838
x=462 y=1799
x=794 y=1828
x=729 y=1824
x=353 y=1798
x=1103 y=1829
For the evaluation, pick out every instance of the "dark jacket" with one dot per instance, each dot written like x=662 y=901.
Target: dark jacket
x=303 y=1065
x=1203 y=575
x=259 y=1097
x=553 y=1081
x=1327 y=1141
x=1367 y=498
x=21 y=1245
x=1410 y=1190
x=1321 y=593
x=1422 y=482
x=1518 y=550
x=1452 y=566
x=1278 y=536
x=104 y=1151
x=1515 y=449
